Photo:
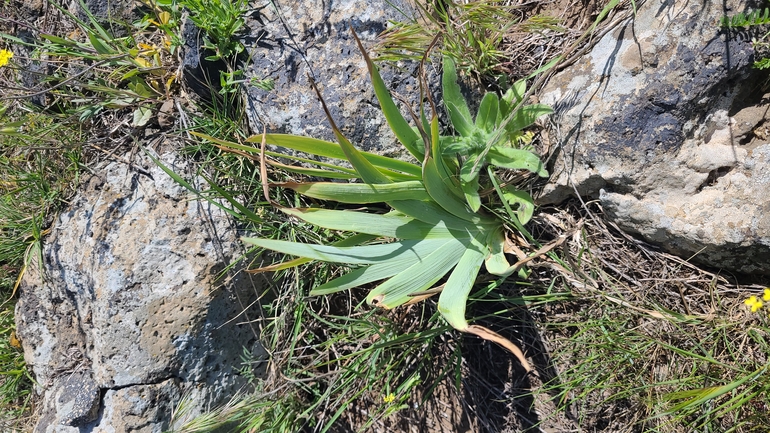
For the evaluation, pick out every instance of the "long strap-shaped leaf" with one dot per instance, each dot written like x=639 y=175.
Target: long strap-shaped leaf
x=395 y=119
x=360 y=193
x=454 y=297
x=357 y=239
x=365 y=169
x=418 y=277
x=431 y=213
x=313 y=146
x=359 y=255
x=389 y=226
x=361 y=276
x=328 y=149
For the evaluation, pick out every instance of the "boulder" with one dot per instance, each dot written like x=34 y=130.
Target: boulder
x=294 y=40
x=652 y=122
x=134 y=308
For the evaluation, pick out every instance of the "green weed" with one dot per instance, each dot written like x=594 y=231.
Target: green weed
x=754 y=19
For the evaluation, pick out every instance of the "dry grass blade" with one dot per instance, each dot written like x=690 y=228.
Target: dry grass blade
x=490 y=335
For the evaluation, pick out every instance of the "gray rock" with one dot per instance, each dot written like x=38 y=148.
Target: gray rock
x=77 y=399
x=295 y=39
x=130 y=311
x=645 y=123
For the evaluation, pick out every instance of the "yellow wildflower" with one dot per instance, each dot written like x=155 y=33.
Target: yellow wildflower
x=766 y=296
x=390 y=398
x=5 y=56
x=754 y=303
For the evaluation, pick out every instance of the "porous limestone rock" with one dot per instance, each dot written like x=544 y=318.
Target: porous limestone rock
x=646 y=123
x=130 y=313
x=290 y=41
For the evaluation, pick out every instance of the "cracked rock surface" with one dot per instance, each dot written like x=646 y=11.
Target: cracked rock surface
x=291 y=41
x=649 y=123
x=127 y=315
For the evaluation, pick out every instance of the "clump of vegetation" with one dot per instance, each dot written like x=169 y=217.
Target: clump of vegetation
x=688 y=349
x=754 y=19
x=436 y=226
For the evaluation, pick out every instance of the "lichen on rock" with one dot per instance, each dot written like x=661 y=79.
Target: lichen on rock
x=129 y=312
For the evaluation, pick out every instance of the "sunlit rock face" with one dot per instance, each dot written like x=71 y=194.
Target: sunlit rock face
x=130 y=313
x=656 y=122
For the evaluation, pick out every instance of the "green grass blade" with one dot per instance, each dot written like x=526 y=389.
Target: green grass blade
x=99 y=45
x=454 y=297
x=360 y=193
x=358 y=255
x=696 y=397
x=390 y=226
x=420 y=276
x=244 y=212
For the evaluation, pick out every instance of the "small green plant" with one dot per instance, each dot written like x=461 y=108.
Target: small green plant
x=221 y=21
x=472 y=34
x=437 y=226
x=753 y=19
x=96 y=71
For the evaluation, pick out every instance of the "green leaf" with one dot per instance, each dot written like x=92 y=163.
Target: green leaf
x=389 y=225
x=142 y=115
x=516 y=159
x=130 y=74
x=444 y=195
x=514 y=95
x=99 y=45
x=470 y=185
x=522 y=203
x=401 y=128
x=360 y=193
x=140 y=88
x=430 y=212
x=316 y=172
x=526 y=116
x=454 y=101
x=327 y=149
x=454 y=297
x=487 y=117
x=422 y=275
x=349 y=241
x=59 y=41
x=496 y=262
x=358 y=255
x=440 y=183
x=361 y=276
